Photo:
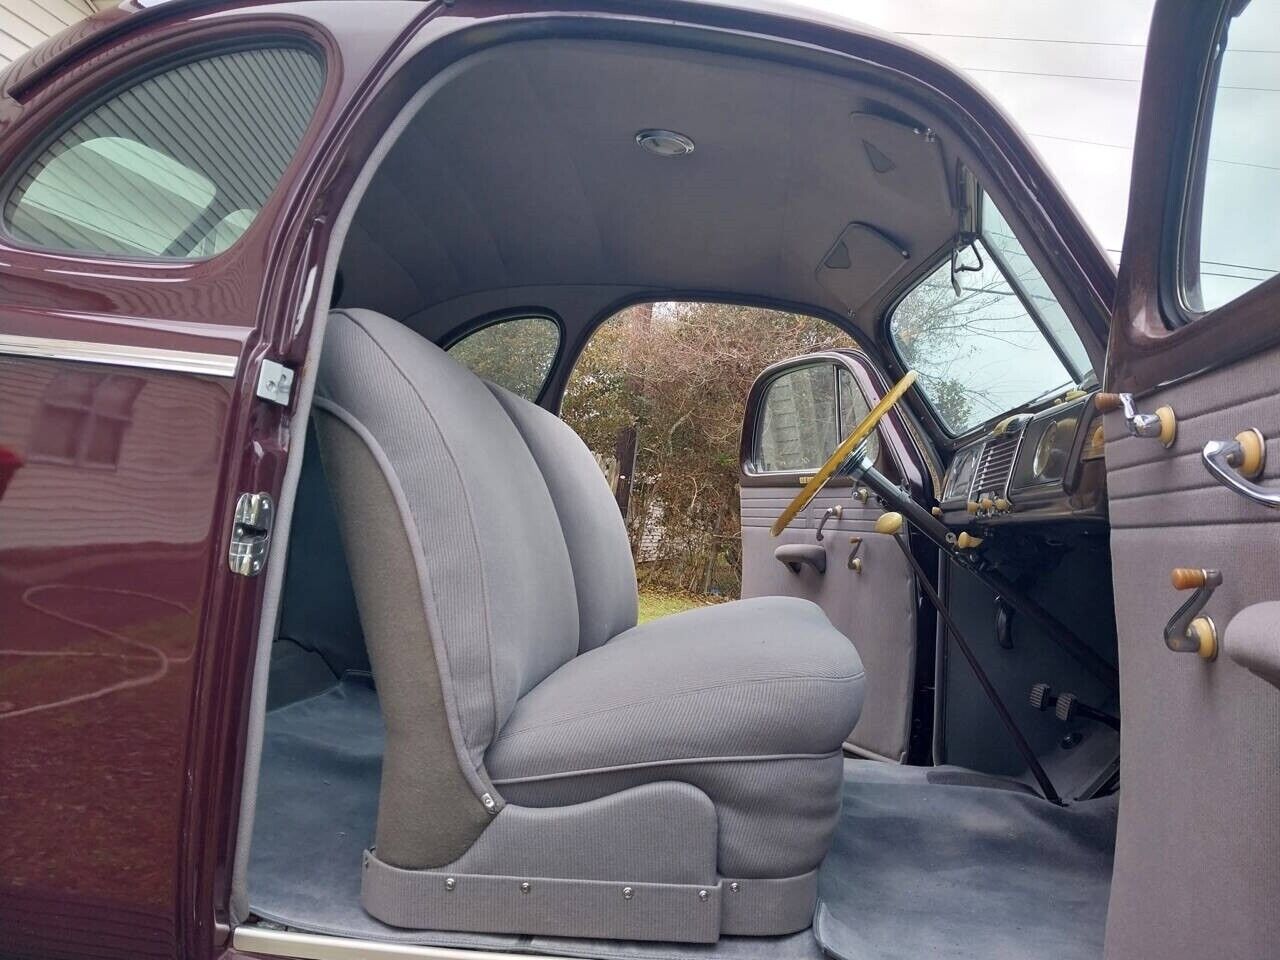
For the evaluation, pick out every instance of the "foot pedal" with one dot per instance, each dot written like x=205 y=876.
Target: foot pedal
x=1041 y=696
x=1068 y=707
x=1065 y=708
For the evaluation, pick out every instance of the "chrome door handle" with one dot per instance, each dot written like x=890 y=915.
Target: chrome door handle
x=1235 y=463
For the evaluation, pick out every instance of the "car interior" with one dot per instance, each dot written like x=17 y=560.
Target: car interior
x=902 y=741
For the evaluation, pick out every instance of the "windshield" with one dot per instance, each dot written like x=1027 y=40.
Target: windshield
x=1001 y=341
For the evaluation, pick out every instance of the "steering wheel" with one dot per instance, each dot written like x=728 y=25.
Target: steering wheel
x=851 y=442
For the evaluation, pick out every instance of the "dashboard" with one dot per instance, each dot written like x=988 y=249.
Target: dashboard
x=1041 y=466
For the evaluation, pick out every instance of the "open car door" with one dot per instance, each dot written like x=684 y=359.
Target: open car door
x=1195 y=330
x=798 y=411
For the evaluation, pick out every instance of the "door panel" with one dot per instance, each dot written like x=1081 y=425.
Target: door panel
x=1200 y=761
x=875 y=608
x=797 y=413
x=1197 y=868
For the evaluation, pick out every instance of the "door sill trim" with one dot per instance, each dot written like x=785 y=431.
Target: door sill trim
x=312 y=946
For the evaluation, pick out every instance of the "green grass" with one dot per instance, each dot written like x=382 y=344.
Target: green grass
x=656 y=603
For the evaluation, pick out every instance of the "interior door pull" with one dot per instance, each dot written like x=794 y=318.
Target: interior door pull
x=1187 y=631
x=797 y=555
x=1237 y=463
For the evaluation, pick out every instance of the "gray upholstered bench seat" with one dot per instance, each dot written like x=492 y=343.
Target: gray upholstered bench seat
x=550 y=767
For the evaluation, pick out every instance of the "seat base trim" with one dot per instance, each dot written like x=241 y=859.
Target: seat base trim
x=604 y=909
x=768 y=908
x=545 y=906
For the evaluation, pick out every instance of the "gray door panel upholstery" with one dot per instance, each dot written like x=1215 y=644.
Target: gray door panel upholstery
x=876 y=608
x=1197 y=870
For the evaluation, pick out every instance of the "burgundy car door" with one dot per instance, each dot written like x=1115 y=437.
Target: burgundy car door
x=1194 y=340
x=142 y=219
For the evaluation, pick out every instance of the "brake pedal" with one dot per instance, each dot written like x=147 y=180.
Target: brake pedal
x=1041 y=696
x=1068 y=707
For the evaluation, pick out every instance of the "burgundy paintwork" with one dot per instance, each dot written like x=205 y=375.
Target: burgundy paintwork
x=118 y=807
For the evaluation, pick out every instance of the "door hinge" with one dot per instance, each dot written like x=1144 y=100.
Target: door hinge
x=251 y=533
x=275 y=382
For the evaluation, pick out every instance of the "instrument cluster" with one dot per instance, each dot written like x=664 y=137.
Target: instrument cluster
x=1031 y=466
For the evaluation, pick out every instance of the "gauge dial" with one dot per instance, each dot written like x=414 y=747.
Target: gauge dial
x=1050 y=458
x=962 y=473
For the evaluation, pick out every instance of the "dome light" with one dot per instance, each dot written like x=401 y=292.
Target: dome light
x=665 y=143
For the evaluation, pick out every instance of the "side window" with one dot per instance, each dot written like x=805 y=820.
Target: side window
x=174 y=166
x=853 y=409
x=805 y=414
x=1231 y=241
x=516 y=354
x=799 y=424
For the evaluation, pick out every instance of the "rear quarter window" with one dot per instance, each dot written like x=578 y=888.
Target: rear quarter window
x=176 y=165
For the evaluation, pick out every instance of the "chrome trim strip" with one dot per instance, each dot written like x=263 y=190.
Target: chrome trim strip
x=119 y=355
x=310 y=946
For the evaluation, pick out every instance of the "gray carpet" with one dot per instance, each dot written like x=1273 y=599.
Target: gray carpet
x=924 y=868
x=317 y=805
x=919 y=868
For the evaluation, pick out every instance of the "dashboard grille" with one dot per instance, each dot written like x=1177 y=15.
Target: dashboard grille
x=995 y=466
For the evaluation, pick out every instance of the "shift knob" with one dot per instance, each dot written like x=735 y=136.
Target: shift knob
x=889 y=523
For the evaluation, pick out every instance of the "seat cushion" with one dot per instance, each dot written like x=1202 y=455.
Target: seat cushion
x=749 y=701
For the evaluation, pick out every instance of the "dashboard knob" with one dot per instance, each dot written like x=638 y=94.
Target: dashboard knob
x=968 y=542
x=972 y=506
x=986 y=503
x=1003 y=505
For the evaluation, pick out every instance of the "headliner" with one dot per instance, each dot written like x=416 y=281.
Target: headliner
x=521 y=176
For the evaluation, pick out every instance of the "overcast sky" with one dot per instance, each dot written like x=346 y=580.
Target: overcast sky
x=1068 y=72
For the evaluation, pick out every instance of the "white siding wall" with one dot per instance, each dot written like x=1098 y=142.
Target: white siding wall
x=25 y=23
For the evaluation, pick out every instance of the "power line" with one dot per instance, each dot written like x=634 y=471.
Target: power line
x=977 y=36
x=1221 y=263
x=1121 y=146
x=1231 y=276
x=1073 y=43
x=1038 y=73
x=1239 y=266
x=1091 y=76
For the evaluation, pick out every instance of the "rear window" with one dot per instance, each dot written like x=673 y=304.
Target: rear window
x=515 y=353
x=173 y=166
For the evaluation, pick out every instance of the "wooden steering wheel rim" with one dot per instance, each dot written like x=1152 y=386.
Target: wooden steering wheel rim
x=859 y=433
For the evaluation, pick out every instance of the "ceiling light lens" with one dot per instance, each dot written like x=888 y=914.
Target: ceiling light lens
x=665 y=143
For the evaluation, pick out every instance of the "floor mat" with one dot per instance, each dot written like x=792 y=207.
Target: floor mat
x=316 y=809
x=939 y=869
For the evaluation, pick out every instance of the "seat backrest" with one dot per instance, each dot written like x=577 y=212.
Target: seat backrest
x=496 y=583
x=599 y=551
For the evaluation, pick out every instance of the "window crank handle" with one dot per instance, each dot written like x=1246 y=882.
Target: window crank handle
x=1187 y=631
